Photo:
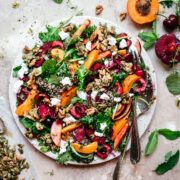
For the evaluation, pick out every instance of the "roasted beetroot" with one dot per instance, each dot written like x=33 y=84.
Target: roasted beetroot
x=22 y=95
x=104 y=152
x=128 y=57
x=90 y=134
x=46 y=46
x=45 y=111
x=141 y=85
x=90 y=78
x=39 y=97
x=79 y=135
x=39 y=62
x=166 y=48
x=97 y=66
x=77 y=111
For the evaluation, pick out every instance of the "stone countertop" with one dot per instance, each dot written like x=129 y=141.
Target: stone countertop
x=15 y=25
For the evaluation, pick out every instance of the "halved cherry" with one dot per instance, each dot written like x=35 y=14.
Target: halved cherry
x=39 y=97
x=77 y=111
x=140 y=73
x=142 y=85
x=43 y=110
x=104 y=151
x=118 y=88
x=56 y=129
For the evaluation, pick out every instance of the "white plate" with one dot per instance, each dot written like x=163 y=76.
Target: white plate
x=143 y=121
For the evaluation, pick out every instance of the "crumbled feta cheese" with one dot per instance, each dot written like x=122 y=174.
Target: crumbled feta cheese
x=104 y=96
x=69 y=120
x=66 y=81
x=63 y=35
x=81 y=62
x=95 y=158
x=117 y=99
x=103 y=126
x=114 y=53
x=71 y=139
x=63 y=146
x=123 y=44
x=22 y=71
x=55 y=101
x=39 y=68
x=17 y=85
x=94 y=94
x=131 y=94
x=112 y=41
x=88 y=45
x=82 y=95
x=106 y=62
x=98 y=134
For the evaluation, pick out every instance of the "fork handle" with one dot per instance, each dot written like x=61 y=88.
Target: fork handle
x=135 y=152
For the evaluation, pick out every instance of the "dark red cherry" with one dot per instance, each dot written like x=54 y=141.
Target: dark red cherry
x=171 y=22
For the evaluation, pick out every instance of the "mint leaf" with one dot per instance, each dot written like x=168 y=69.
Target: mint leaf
x=167 y=133
x=44 y=149
x=168 y=155
x=49 y=66
x=167 y=3
x=16 y=70
x=149 y=37
x=167 y=165
x=58 y=1
x=152 y=143
x=173 y=83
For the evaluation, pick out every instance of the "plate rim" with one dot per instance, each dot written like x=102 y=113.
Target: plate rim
x=98 y=20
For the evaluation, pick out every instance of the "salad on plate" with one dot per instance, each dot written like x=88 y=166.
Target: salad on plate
x=75 y=90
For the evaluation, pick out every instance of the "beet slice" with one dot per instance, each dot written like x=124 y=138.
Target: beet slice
x=79 y=134
x=165 y=48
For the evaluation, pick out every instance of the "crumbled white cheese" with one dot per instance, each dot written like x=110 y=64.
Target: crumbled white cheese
x=63 y=146
x=112 y=41
x=88 y=45
x=66 y=81
x=22 y=71
x=103 y=126
x=98 y=134
x=71 y=139
x=80 y=62
x=117 y=99
x=106 y=62
x=94 y=94
x=39 y=68
x=123 y=44
x=114 y=53
x=82 y=95
x=55 y=101
x=104 y=96
x=63 y=35
x=131 y=94
x=17 y=85
x=69 y=120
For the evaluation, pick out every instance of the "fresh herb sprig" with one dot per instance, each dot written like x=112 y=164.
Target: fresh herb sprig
x=153 y=138
x=150 y=37
x=170 y=162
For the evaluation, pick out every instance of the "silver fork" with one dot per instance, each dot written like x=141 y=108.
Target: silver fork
x=140 y=106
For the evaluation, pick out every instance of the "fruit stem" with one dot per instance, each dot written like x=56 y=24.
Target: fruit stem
x=162 y=15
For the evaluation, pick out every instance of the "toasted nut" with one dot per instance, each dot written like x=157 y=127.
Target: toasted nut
x=26 y=49
x=122 y=16
x=99 y=9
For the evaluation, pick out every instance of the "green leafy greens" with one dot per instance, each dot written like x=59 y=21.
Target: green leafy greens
x=58 y=1
x=152 y=143
x=49 y=66
x=173 y=83
x=167 y=133
x=16 y=70
x=149 y=37
x=65 y=157
x=82 y=72
x=170 y=162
